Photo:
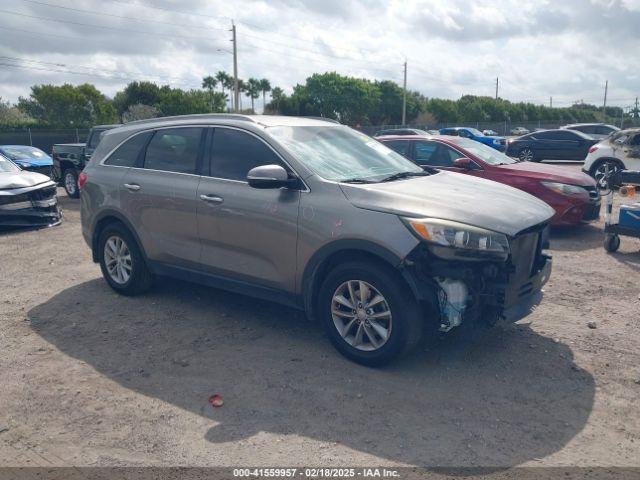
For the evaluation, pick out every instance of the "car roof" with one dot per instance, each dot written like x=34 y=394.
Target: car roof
x=262 y=120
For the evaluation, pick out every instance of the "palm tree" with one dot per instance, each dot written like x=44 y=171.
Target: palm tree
x=265 y=86
x=222 y=78
x=253 y=91
x=209 y=83
x=231 y=85
x=276 y=96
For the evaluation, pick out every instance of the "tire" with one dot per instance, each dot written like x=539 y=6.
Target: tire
x=611 y=242
x=139 y=279
x=403 y=324
x=598 y=170
x=527 y=155
x=70 y=182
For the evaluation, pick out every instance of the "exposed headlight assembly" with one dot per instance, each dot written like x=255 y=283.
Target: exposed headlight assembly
x=452 y=239
x=564 y=188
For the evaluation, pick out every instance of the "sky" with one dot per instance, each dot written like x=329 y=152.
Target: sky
x=565 y=49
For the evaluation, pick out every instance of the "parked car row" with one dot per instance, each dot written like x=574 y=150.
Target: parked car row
x=572 y=195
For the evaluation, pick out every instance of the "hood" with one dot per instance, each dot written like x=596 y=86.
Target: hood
x=22 y=179
x=456 y=197
x=549 y=173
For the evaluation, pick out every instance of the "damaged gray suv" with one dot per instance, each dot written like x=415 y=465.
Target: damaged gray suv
x=317 y=216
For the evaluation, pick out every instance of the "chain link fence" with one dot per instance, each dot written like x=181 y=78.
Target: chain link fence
x=42 y=138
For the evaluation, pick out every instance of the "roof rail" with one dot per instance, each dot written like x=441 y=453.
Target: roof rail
x=324 y=119
x=198 y=116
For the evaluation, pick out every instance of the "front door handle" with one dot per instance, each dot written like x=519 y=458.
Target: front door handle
x=212 y=199
x=133 y=187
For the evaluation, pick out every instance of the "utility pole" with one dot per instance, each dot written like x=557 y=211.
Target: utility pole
x=550 y=102
x=496 y=88
x=404 y=96
x=235 y=67
x=636 y=112
x=604 y=106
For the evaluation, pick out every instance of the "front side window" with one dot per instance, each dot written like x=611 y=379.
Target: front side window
x=174 y=150
x=425 y=152
x=339 y=153
x=126 y=155
x=234 y=153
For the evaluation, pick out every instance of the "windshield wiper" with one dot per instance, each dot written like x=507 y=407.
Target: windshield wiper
x=401 y=175
x=356 y=180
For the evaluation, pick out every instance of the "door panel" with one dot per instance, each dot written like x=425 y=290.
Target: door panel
x=246 y=233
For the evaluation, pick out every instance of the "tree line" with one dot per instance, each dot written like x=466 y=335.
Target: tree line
x=353 y=101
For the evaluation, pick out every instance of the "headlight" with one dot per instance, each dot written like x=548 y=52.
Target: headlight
x=563 y=188
x=459 y=239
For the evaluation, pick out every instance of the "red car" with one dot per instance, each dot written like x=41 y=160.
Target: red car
x=573 y=195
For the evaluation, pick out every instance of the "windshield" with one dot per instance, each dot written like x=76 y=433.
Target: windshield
x=22 y=153
x=484 y=152
x=7 y=166
x=475 y=132
x=340 y=153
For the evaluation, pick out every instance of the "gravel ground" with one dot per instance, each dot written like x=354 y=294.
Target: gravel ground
x=92 y=378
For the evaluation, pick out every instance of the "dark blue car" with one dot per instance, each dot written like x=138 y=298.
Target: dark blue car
x=499 y=143
x=28 y=158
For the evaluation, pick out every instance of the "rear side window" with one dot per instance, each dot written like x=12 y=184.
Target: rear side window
x=585 y=129
x=126 y=154
x=234 y=153
x=602 y=130
x=174 y=150
x=399 y=146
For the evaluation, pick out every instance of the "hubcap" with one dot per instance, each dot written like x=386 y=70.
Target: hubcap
x=526 y=155
x=117 y=259
x=600 y=173
x=361 y=315
x=70 y=182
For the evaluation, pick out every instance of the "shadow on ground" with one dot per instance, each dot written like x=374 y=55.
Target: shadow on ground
x=505 y=397
x=576 y=238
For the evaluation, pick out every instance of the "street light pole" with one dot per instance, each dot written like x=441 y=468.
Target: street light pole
x=404 y=96
x=235 y=67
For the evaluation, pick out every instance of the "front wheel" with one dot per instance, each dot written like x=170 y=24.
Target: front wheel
x=602 y=168
x=367 y=314
x=70 y=182
x=526 y=155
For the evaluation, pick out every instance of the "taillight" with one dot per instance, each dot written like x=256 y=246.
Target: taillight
x=82 y=179
x=593 y=149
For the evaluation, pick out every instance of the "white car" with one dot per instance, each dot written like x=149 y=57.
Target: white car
x=599 y=131
x=490 y=133
x=519 y=131
x=620 y=151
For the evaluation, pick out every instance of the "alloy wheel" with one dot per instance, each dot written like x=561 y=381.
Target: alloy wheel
x=361 y=315
x=600 y=172
x=117 y=259
x=70 y=183
x=526 y=155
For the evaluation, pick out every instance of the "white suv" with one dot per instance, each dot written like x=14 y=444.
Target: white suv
x=621 y=151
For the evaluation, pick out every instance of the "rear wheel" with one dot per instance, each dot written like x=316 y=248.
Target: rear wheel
x=526 y=155
x=367 y=314
x=600 y=168
x=121 y=261
x=70 y=182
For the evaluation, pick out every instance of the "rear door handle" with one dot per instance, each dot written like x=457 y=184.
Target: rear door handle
x=133 y=187
x=212 y=199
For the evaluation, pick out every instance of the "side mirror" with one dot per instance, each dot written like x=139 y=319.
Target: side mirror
x=463 y=163
x=269 y=176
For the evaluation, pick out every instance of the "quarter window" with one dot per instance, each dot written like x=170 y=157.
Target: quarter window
x=126 y=155
x=234 y=153
x=174 y=150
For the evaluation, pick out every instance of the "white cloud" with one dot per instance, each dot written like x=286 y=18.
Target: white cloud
x=537 y=48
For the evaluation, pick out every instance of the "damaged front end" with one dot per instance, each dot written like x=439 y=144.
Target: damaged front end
x=464 y=285
x=30 y=206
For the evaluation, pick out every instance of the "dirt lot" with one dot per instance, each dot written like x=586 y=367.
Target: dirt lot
x=91 y=378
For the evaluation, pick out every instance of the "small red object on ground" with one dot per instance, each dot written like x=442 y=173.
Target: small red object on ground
x=215 y=400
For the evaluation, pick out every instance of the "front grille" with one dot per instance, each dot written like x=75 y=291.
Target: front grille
x=527 y=257
x=42 y=198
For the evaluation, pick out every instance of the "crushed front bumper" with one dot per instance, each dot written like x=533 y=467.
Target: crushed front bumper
x=30 y=207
